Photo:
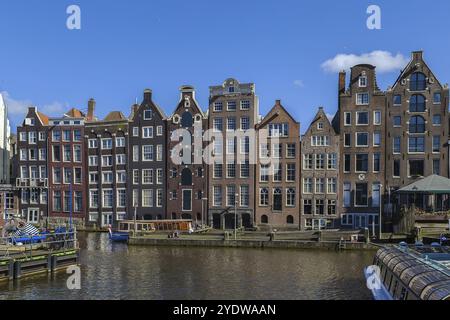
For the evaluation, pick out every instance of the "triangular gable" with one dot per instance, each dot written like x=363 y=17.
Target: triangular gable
x=410 y=68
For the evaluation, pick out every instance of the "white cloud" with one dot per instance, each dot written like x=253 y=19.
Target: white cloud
x=17 y=109
x=383 y=60
x=299 y=83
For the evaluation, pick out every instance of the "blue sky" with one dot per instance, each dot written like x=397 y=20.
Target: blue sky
x=127 y=46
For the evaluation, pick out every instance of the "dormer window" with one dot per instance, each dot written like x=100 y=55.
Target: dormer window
x=362 y=81
x=231 y=89
x=148 y=114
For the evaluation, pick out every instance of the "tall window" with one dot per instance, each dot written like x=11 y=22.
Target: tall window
x=277 y=199
x=417 y=103
x=308 y=161
x=417 y=124
x=437 y=144
x=362 y=118
x=376 y=162
x=436 y=166
x=290 y=197
x=416 y=144
x=307 y=185
x=361 y=197
x=416 y=168
x=362 y=98
x=231 y=196
x=320 y=185
x=332 y=161
x=362 y=162
x=217 y=192
x=347 y=163
x=320 y=161
x=290 y=172
x=396 y=168
x=245 y=196
x=417 y=82
x=263 y=197
x=376 y=199
x=362 y=139
x=107 y=198
x=397 y=144
x=264 y=173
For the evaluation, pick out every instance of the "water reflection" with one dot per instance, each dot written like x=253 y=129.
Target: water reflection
x=116 y=271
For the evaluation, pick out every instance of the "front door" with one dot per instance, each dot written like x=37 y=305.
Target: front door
x=33 y=216
x=187 y=200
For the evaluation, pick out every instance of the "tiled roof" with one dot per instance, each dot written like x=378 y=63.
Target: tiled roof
x=115 y=116
x=75 y=113
x=43 y=118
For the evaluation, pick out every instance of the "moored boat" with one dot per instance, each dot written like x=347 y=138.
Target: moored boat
x=118 y=236
x=410 y=273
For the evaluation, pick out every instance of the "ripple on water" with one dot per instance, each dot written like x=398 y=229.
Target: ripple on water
x=116 y=271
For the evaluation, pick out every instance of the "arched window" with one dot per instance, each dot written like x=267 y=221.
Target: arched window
x=264 y=219
x=290 y=220
x=417 y=103
x=417 y=82
x=417 y=124
x=186 y=177
x=186 y=120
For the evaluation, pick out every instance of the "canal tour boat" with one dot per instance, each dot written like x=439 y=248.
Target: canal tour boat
x=410 y=273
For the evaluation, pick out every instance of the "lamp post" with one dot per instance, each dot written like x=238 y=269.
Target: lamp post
x=235 y=215
x=135 y=218
x=203 y=209
x=381 y=208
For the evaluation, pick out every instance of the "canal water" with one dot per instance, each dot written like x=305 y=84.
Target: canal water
x=116 y=271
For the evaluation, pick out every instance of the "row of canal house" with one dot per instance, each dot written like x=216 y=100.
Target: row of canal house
x=343 y=172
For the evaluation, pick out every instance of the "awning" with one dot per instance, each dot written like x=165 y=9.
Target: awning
x=433 y=184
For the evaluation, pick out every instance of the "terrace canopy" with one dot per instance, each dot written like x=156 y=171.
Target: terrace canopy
x=431 y=193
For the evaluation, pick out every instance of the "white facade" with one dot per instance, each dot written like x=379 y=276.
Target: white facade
x=5 y=147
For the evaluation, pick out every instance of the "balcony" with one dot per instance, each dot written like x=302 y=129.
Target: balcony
x=41 y=183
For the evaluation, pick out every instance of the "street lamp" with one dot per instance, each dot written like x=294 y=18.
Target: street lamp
x=203 y=209
x=381 y=210
x=235 y=215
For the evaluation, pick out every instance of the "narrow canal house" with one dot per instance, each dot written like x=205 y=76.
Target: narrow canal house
x=66 y=166
x=360 y=122
x=107 y=149
x=147 y=161
x=187 y=176
x=320 y=175
x=233 y=111
x=278 y=170
x=417 y=128
x=32 y=180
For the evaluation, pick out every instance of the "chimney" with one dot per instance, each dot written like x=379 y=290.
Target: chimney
x=147 y=95
x=278 y=102
x=91 y=109
x=342 y=75
x=134 y=109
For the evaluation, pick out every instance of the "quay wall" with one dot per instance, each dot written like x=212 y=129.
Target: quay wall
x=277 y=244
